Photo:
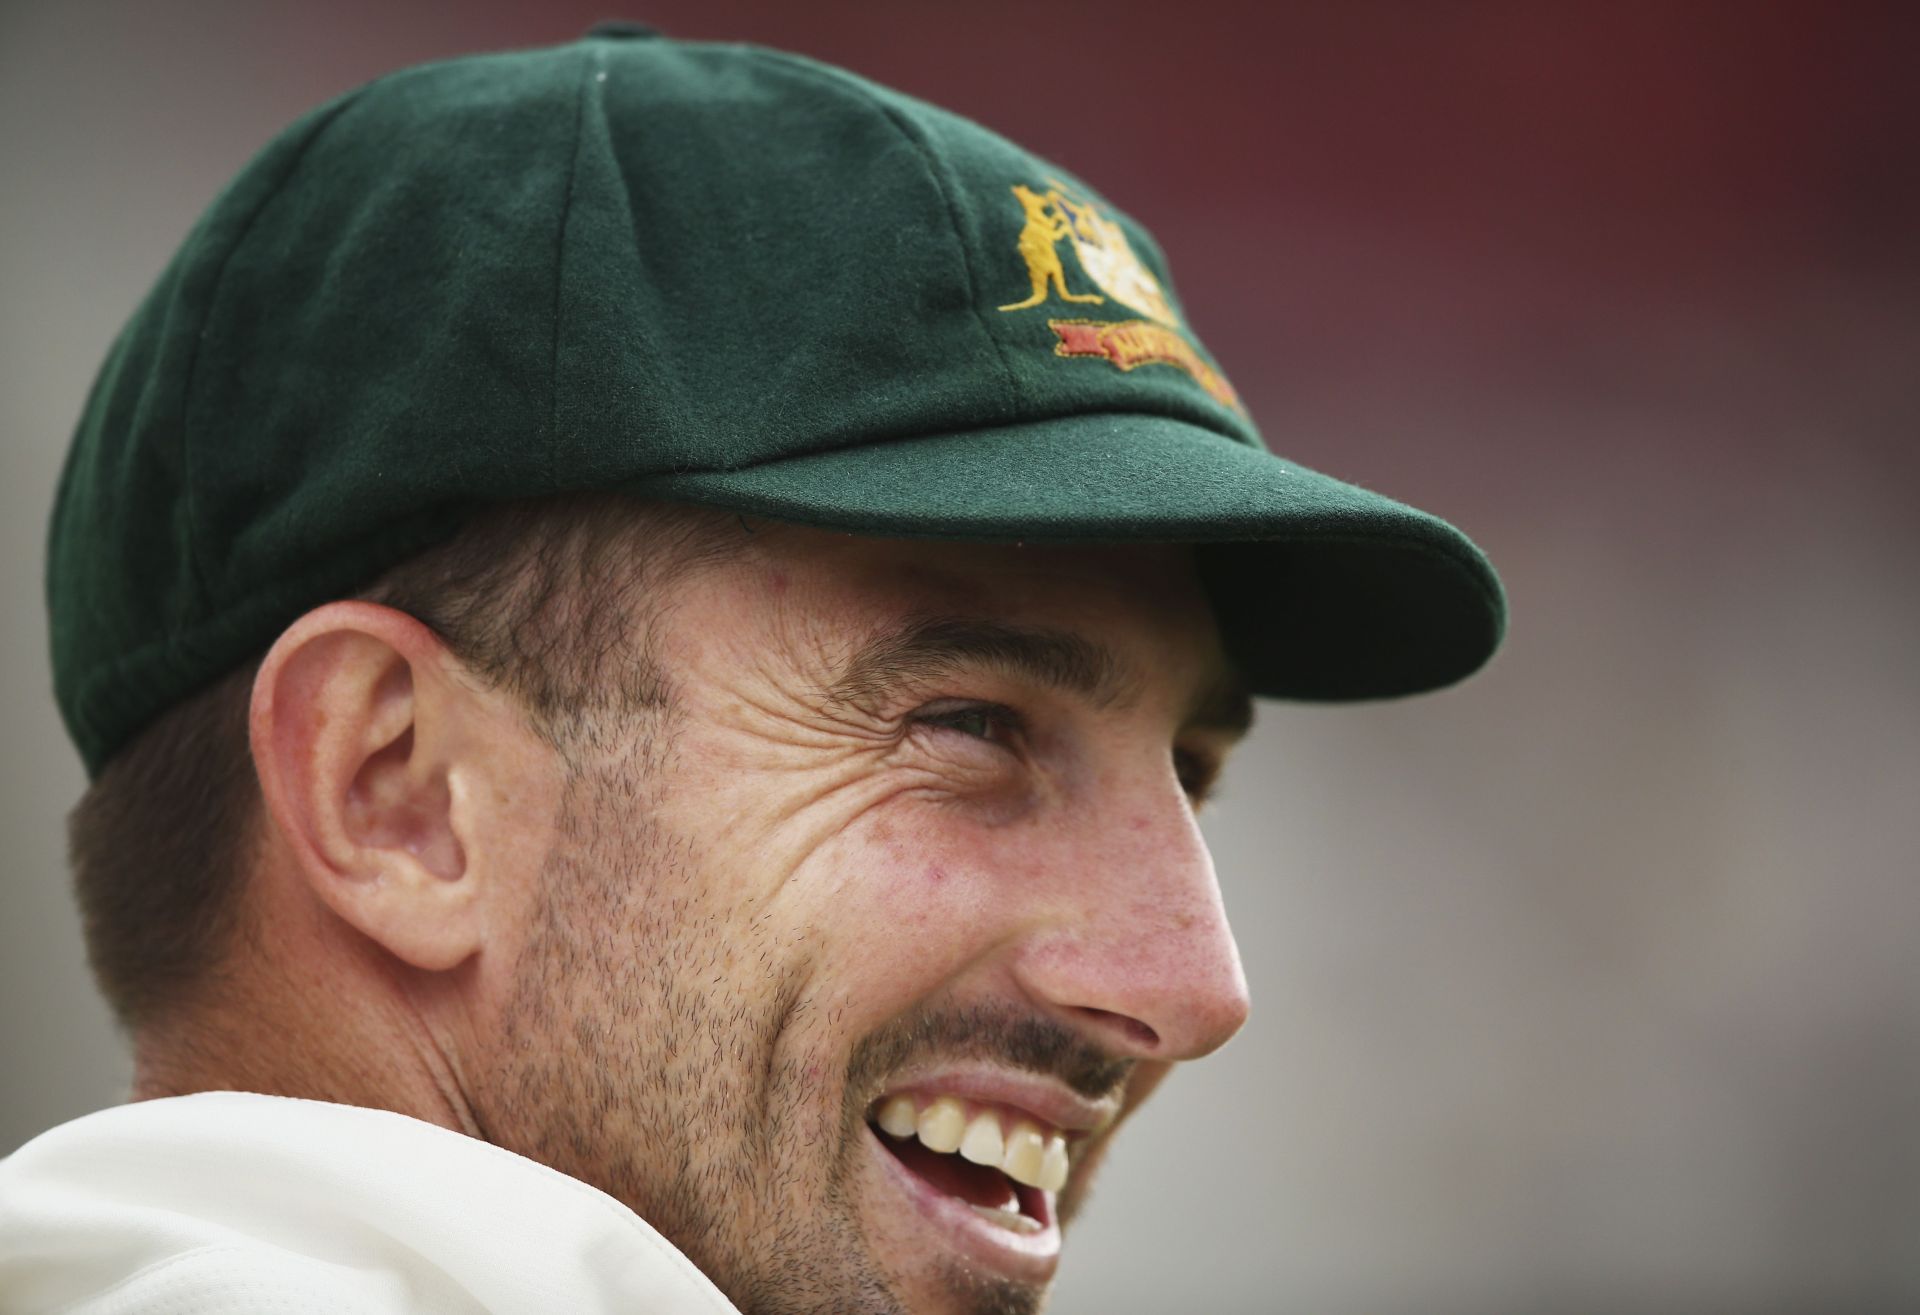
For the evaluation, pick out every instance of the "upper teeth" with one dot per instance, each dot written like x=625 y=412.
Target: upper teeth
x=1024 y=1151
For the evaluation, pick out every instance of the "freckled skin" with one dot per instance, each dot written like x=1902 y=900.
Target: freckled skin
x=732 y=946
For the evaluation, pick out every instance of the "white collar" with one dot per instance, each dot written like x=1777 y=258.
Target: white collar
x=198 y=1201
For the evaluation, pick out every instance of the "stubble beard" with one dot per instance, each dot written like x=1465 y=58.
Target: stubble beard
x=623 y=1061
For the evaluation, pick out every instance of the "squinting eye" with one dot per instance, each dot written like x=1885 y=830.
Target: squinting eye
x=977 y=721
x=1197 y=774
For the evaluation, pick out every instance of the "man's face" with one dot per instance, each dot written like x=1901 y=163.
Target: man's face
x=915 y=847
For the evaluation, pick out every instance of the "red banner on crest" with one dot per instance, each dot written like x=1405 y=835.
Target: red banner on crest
x=1131 y=343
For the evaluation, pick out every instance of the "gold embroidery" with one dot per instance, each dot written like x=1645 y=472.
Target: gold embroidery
x=1132 y=343
x=1045 y=226
x=1104 y=253
x=1108 y=258
x=1102 y=248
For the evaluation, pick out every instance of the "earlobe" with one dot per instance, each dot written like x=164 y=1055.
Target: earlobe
x=353 y=730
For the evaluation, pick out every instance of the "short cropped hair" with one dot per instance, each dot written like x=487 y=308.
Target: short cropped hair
x=553 y=601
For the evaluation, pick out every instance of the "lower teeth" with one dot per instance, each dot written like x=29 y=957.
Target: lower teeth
x=1010 y=1219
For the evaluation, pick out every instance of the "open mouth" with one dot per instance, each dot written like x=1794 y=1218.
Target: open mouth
x=987 y=1191
x=1001 y=1165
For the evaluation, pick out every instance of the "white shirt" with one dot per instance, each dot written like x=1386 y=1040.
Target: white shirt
x=228 y=1203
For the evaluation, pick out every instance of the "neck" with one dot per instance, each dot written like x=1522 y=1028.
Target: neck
x=328 y=1036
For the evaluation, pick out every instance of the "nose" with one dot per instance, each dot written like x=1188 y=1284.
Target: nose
x=1133 y=947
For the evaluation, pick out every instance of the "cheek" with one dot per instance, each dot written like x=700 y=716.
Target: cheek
x=915 y=898
x=918 y=879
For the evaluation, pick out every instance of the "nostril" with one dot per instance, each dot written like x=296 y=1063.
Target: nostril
x=1136 y=1032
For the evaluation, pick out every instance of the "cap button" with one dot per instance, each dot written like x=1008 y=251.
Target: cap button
x=620 y=29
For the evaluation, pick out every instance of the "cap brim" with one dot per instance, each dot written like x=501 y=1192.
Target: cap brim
x=1324 y=590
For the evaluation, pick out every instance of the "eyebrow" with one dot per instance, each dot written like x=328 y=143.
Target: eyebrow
x=926 y=648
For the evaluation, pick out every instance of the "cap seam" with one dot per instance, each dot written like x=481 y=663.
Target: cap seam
x=194 y=566
x=1016 y=395
x=871 y=440
x=559 y=272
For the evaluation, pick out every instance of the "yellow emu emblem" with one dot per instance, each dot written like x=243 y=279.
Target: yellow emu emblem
x=1101 y=246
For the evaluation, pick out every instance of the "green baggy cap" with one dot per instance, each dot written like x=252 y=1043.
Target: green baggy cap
x=705 y=273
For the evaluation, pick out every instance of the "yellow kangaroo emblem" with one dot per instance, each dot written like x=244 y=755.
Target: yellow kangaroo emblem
x=1045 y=226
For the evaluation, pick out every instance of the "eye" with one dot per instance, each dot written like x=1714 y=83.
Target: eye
x=977 y=721
x=1199 y=774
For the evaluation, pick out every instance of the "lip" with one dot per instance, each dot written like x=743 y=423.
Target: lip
x=1045 y=1101
x=1023 y=1257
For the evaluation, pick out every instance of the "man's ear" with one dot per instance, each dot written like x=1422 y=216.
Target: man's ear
x=365 y=742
